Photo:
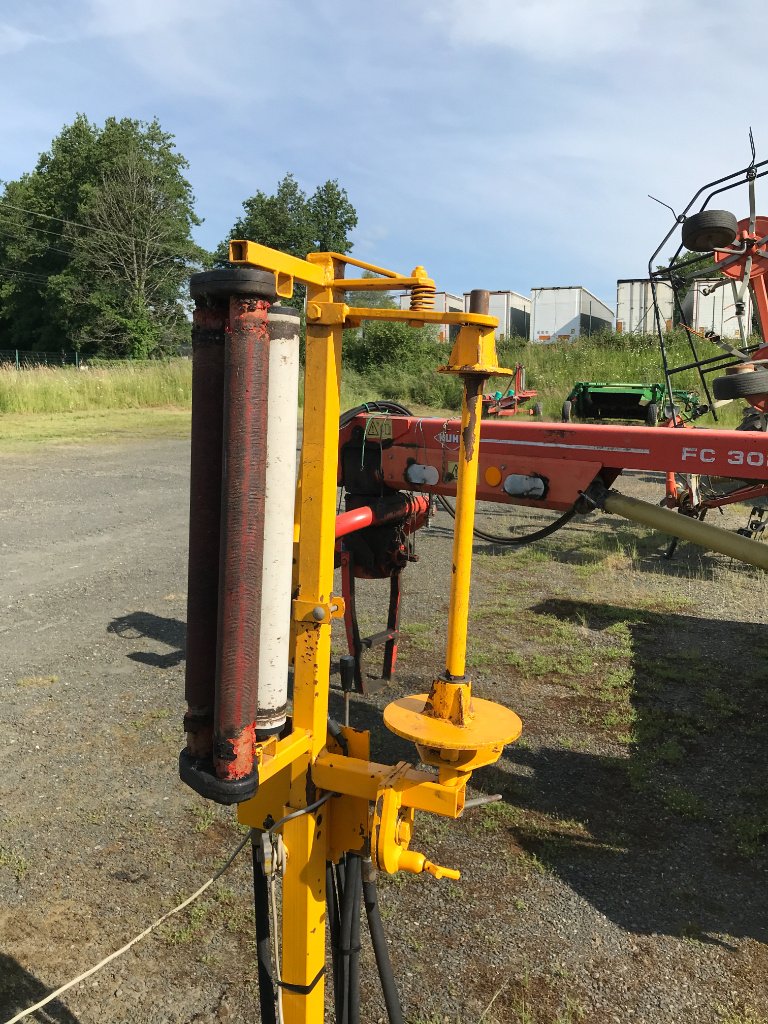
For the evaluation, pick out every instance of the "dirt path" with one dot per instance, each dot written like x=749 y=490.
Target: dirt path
x=622 y=878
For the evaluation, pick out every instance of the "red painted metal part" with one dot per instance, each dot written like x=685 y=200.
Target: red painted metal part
x=759 y=265
x=240 y=586
x=208 y=328
x=367 y=515
x=569 y=456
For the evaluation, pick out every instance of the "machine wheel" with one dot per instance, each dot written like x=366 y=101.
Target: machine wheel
x=741 y=385
x=710 y=229
x=652 y=415
x=382 y=406
x=567 y=410
x=538 y=409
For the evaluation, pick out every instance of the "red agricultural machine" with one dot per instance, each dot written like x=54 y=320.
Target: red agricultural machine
x=509 y=402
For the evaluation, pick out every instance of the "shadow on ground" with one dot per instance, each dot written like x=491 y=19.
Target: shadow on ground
x=171 y=632
x=20 y=989
x=675 y=836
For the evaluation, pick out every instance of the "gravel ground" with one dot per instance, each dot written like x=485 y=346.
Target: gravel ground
x=621 y=878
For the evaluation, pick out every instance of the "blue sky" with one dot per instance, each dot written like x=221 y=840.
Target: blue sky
x=500 y=143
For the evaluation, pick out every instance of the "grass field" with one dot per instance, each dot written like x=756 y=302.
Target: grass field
x=64 y=403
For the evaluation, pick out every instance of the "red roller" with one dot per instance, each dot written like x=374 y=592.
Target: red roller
x=208 y=325
x=242 y=529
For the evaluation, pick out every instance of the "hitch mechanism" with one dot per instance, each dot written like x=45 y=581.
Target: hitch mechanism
x=260 y=597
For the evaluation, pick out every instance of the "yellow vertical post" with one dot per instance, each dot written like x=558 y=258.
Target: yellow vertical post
x=303 y=959
x=466 y=491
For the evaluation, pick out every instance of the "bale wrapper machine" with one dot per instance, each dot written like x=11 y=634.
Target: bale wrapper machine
x=261 y=572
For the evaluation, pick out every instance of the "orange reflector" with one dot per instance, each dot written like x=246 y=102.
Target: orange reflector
x=493 y=476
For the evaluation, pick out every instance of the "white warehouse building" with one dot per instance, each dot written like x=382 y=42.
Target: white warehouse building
x=715 y=311
x=634 y=306
x=565 y=313
x=511 y=309
x=445 y=302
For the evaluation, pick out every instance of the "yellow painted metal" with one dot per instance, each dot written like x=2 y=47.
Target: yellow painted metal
x=305 y=837
x=351 y=315
x=474 y=350
x=347 y=814
x=280 y=263
x=487 y=724
x=466 y=490
x=296 y=769
x=356 y=777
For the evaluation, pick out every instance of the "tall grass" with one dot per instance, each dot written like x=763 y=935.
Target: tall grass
x=407 y=375
x=633 y=359
x=120 y=386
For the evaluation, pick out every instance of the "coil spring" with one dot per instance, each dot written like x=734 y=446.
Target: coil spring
x=422 y=297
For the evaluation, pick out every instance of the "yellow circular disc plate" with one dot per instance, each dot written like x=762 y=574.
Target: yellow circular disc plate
x=491 y=724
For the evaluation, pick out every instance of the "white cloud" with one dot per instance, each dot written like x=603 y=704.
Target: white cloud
x=13 y=39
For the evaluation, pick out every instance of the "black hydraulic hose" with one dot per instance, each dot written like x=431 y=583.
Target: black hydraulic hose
x=263 y=946
x=381 y=951
x=351 y=883
x=509 y=542
x=332 y=899
x=354 y=952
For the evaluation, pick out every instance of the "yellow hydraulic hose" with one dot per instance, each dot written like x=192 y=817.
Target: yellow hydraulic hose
x=712 y=538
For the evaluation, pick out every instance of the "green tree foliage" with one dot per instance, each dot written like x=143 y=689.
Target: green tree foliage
x=297 y=224
x=95 y=243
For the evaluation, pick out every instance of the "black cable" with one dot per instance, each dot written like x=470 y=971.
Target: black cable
x=347 y=978
x=380 y=949
x=332 y=900
x=263 y=945
x=354 y=952
x=509 y=542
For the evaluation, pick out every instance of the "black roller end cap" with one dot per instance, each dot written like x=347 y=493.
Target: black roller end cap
x=199 y=775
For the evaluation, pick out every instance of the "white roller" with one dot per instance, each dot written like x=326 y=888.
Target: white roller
x=282 y=420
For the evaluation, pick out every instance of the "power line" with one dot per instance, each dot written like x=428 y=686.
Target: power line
x=75 y=223
x=35 y=278
x=58 y=234
x=49 y=248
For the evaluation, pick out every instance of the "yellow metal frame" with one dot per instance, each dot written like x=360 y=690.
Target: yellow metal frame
x=376 y=804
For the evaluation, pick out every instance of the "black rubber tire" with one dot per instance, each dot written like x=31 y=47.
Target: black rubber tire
x=710 y=229
x=741 y=385
x=567 y=411
x=381 y=406
x=652 y=415
x=538 y=409
x=237 y=280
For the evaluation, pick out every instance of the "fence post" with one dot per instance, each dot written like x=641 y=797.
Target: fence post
x=77 y=360
x=17 y=359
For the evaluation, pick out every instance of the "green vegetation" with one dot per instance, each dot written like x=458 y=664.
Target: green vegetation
x=126 y=385
x=96 y=245
x=554 y=369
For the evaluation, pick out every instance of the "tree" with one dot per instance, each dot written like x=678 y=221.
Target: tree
x=95 y=243
x=295 y=224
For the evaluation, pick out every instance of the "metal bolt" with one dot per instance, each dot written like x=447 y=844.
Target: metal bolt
x=318 y=613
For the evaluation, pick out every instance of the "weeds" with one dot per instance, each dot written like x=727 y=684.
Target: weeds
x=17 y=864
x=37 y=680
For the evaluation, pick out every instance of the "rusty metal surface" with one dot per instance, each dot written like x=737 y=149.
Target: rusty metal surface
x=246 y=380
x=479 y=301
x=208 y=331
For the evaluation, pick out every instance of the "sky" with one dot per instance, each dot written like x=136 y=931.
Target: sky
x=502 y=144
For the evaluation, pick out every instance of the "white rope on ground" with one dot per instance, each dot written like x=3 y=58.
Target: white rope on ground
x=128 y=945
